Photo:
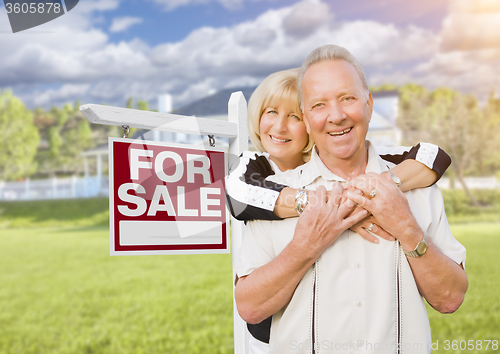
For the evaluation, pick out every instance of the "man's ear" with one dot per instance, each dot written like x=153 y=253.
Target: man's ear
x=370 y=104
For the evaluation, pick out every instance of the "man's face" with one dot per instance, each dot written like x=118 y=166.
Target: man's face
x=337 y=109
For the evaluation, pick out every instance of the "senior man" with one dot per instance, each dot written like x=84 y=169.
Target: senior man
x=329 y=289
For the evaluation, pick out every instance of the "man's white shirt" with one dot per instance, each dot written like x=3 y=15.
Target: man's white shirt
x=359 y=297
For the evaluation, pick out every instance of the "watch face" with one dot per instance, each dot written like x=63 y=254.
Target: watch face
x=421 y=248
x=394 y=178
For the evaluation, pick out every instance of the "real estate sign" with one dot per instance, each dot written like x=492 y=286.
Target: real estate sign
x=166 y=198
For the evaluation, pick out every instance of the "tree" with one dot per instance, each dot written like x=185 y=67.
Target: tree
x=67 y=134
x=492 y=113
x=77 y=138
x=130 y=103
x=454 y=122
x=383 y=87
x=142 y=105
x=19 y=140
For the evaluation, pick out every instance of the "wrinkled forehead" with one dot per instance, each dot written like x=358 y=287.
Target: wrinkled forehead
x=333 y=74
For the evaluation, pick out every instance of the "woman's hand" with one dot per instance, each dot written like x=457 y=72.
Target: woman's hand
x=363 y=229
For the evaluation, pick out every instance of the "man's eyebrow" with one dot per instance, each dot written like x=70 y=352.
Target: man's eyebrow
x=348 y=91
x=338 y=94
x=317 y=98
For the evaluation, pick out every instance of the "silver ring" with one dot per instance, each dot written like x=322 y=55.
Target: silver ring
x=370 y=228
x=373 y=193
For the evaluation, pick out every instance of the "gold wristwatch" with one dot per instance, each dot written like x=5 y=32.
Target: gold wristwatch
x=419 y=250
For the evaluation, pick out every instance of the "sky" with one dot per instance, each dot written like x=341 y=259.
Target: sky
x=105 y=51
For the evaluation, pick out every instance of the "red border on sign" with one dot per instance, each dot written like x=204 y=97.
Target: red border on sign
x=120 y=173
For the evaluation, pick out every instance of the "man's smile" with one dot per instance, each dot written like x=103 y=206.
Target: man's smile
x=341 y=133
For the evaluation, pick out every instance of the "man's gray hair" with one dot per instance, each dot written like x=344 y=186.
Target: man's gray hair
x=328 y=52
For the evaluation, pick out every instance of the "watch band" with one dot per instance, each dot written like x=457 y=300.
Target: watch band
x=419 y=250
x=394 y=178
x=301 y=200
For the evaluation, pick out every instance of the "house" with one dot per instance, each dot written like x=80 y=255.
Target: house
x=383 y=130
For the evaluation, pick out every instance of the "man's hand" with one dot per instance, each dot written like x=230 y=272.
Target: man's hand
x=389 y=206
x=368 y=228
x=439 y=279
x=324 y=219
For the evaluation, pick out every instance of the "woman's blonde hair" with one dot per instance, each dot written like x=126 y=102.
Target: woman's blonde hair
x=277 y=88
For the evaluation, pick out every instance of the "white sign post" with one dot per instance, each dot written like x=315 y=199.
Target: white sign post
x=235 y=129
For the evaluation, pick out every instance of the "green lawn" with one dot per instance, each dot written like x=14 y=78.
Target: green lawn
x=54 y=213
x=479 y=316
x=61 y=292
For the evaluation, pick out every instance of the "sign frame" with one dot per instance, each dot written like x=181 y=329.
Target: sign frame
x=226 y=240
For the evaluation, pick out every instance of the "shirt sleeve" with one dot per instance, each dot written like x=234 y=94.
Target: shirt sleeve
x=439 y=231
x=249 y=195
x=430 y=155
x=256 y=248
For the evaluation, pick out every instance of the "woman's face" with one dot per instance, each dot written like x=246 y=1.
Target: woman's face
x=283 y=135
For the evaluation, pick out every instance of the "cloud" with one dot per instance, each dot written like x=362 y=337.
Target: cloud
x=470 y=72
x=66 y=93
x=207 y=59
x=229 y=51
x=475 y=6
x=121 y=24
x=78 y=59
x=467 y=57
x=305 y=17
x=471 y=24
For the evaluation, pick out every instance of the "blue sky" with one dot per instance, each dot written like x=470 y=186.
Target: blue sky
x=159 y=24
x=104 y=51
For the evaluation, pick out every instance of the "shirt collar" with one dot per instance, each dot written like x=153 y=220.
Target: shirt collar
x=315 y=168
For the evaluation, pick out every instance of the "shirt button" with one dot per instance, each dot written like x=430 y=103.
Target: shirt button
x=359 y=304
x=358 y=265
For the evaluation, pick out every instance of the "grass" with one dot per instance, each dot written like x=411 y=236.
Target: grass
x=61 y=292
x=54 y=213
x=95 y=211
x=479 y=316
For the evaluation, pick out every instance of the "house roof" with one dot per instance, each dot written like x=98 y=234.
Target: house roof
x=381 y=94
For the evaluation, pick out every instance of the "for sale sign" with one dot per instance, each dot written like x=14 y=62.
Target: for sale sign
x=166 y=198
